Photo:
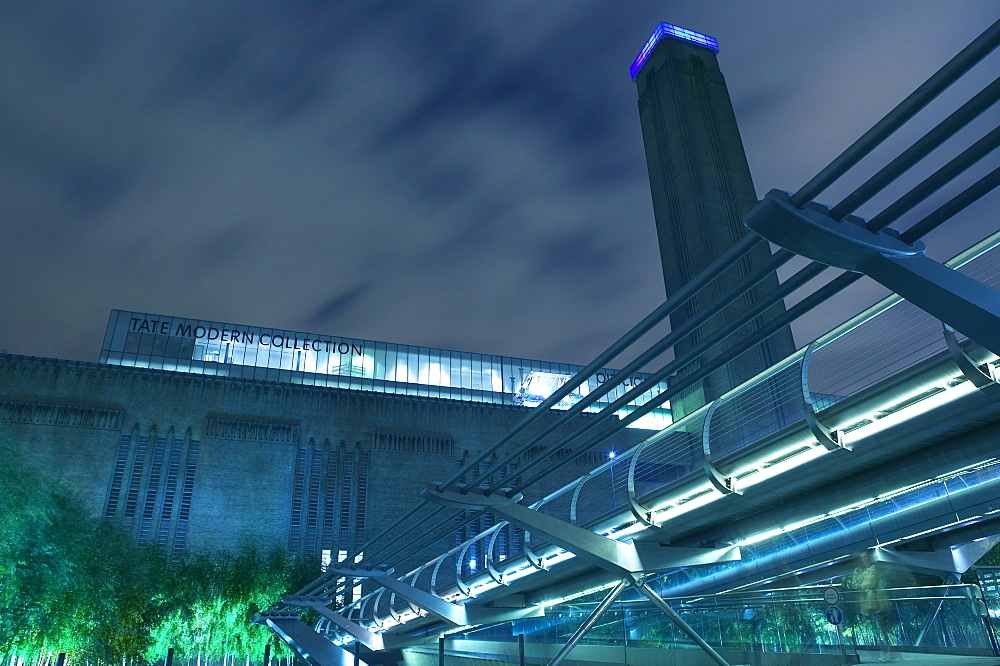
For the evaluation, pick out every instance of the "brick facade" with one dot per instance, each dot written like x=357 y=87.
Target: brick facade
x=204 y=463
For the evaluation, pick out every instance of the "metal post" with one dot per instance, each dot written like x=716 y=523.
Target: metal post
x=614 y=500
x=591 y=620
x=681 y=624
x=440 y=650
x=840 y=639
x=984 y=613
x=170 y=657
x=520 y=649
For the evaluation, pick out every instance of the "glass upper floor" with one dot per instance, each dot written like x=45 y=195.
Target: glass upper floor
x=145 y=340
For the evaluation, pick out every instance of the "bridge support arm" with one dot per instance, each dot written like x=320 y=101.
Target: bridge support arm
x=831 y=440
x=304 y=641
x=613 y=596
x=982 y=376
x=589 y=623
x=436 y=606
x=370 y=639
x=724 y=484
x=956 y=299
x=457 y=614
x=947 y=562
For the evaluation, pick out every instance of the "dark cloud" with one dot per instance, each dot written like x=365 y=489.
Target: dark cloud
x=577 y=257
x=336 y=306
x=91 y=190
x=441 y=185
x=609 y=174
x=223 y=247
x=474 y=170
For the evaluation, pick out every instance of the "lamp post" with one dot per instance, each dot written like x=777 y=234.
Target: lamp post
x=611 y=456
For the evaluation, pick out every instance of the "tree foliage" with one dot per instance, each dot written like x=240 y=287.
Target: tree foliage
x=73 y=583
x=217 y=597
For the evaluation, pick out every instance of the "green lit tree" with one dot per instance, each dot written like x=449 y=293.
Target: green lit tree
x=214 y=599
x=70 y=582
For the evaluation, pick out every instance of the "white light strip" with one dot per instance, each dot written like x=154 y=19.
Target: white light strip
x=768 y=534
x=763 y=474
x=576 y=595
x=899 y=417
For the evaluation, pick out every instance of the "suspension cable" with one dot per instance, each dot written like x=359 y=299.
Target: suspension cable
x=965 y=60
x=909 y=157
x=966 y=198
x=935 y=181
x=690 y=325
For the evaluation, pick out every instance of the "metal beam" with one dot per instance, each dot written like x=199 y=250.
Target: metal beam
x=622 y=559
x=370 y=639
x=681 y=624
x=303 y=639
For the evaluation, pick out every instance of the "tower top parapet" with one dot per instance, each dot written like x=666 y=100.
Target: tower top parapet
x=670 y=30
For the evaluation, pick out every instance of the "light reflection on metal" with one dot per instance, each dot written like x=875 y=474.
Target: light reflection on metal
x=771 y=533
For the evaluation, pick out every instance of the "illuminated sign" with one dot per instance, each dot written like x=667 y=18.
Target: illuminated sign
x=179 y=344
x=242 y=336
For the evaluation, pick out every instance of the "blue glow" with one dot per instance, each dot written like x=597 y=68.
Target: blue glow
x=668 y=30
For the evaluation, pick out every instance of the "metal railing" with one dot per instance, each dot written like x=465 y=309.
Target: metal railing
x=942 y=618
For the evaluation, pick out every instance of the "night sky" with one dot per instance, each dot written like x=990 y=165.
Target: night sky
x=465 y=174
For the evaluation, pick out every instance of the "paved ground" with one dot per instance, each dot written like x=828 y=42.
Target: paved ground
x=913 y=659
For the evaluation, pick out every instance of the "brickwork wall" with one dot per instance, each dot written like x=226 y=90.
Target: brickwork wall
x=202 y=462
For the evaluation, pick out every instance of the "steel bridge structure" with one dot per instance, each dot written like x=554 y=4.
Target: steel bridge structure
x=879 y=435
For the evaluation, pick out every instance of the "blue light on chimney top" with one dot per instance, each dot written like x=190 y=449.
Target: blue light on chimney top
x=668 y=30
